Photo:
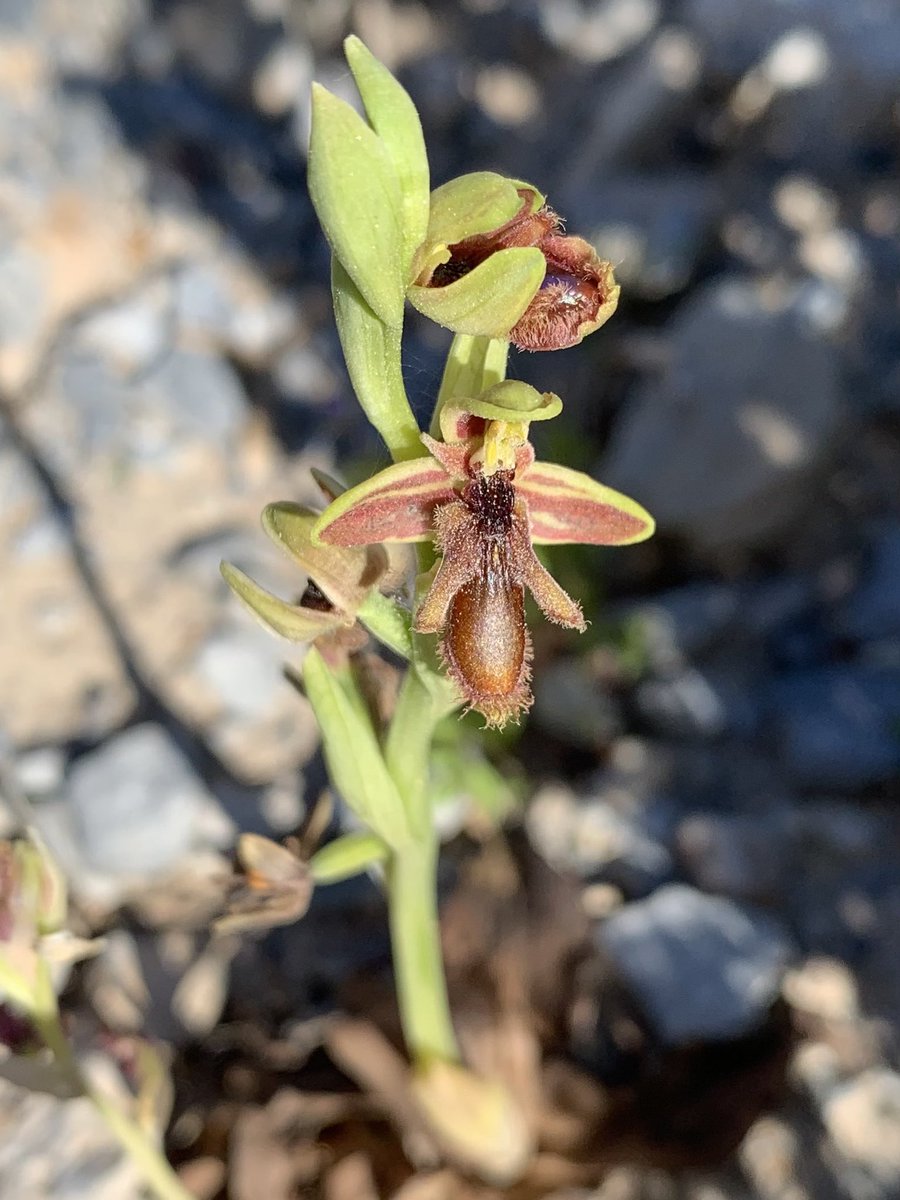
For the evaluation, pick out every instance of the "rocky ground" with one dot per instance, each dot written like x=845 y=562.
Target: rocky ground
x=716 y=764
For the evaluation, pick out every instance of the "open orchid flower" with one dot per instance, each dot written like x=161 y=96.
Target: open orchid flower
x=496 y=261
x=486 y=502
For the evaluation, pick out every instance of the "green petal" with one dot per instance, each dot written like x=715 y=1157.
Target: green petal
x=344 y=574
x=347 y=856
x=396 y=505
x=353 y=756
x=567 y=506
x=489 y=300
x=513 y=400
x=393 y=116
x=287 y=620
x=356 y=194
x=476 y=203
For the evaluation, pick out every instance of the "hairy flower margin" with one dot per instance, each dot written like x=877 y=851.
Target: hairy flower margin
x=486 y=502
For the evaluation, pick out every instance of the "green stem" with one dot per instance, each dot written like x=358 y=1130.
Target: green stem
x=412 y=878
x=147 y=1156
x=416 y=944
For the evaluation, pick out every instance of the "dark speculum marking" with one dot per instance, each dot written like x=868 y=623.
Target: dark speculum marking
x=313 y=597
x=490 y=499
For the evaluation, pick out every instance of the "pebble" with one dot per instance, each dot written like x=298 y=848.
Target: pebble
x=863 y=1120
x=872 y=611
x=136 y=802
x=702 y=968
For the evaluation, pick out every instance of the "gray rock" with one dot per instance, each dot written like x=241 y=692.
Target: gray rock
x=839 y=726
x=736 y=854
x=136 y=802
x=701 y=967
x=872 y=611
x=244 y=667
x=574 y=706
x=682 y=705
x=722 y=447
x=653 y=227
x=588 y=837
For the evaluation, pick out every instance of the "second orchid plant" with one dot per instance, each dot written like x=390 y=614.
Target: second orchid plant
x=484 y=256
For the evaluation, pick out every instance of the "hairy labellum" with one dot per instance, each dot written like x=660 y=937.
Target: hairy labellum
x=477 y=600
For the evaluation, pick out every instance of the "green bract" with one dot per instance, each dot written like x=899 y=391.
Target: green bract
x=394 y=118
x=354 y=187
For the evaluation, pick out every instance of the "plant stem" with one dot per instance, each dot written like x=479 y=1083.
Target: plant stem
x=147 y=1156
x=412 y=878
x=416 y=945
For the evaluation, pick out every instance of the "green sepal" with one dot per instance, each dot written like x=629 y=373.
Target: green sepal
x=344 y=574
x=347 y=856
x=289 y=621
x=352 y=753
x=489 y=300
x=354 y=188
x=393 y=116
x=372 y=353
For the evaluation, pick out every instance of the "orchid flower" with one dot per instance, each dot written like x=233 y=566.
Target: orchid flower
x=486 y=502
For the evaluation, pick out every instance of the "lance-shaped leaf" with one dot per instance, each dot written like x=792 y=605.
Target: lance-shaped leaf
x=393 y=116
x=347 y=856
x=396 y=505
x=568 y=506
x=353 y=186
x=292 y=621
x=343 y=574
x=372 y=353
x=352 y=753
x=490 y=299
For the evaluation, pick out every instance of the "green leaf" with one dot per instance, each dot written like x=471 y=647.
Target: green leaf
x=489 y=300
x=354 y=188
x=347 y=856
x=355 y=762
x=393 y=116
x=372 y=353
x=287 y=620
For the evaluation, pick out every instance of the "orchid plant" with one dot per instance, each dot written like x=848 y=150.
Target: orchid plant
x=485 y=257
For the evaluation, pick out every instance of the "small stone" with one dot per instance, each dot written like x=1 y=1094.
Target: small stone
x=701 y=968
x=823 y=987
x=863 y=1119
x=245 y=670
x=39 y=772
x=136 y=801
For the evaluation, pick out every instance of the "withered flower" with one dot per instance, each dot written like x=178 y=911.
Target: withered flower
x=486 y=502
x=547 y=300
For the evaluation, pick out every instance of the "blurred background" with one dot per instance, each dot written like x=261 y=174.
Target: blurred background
x=716 y=763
